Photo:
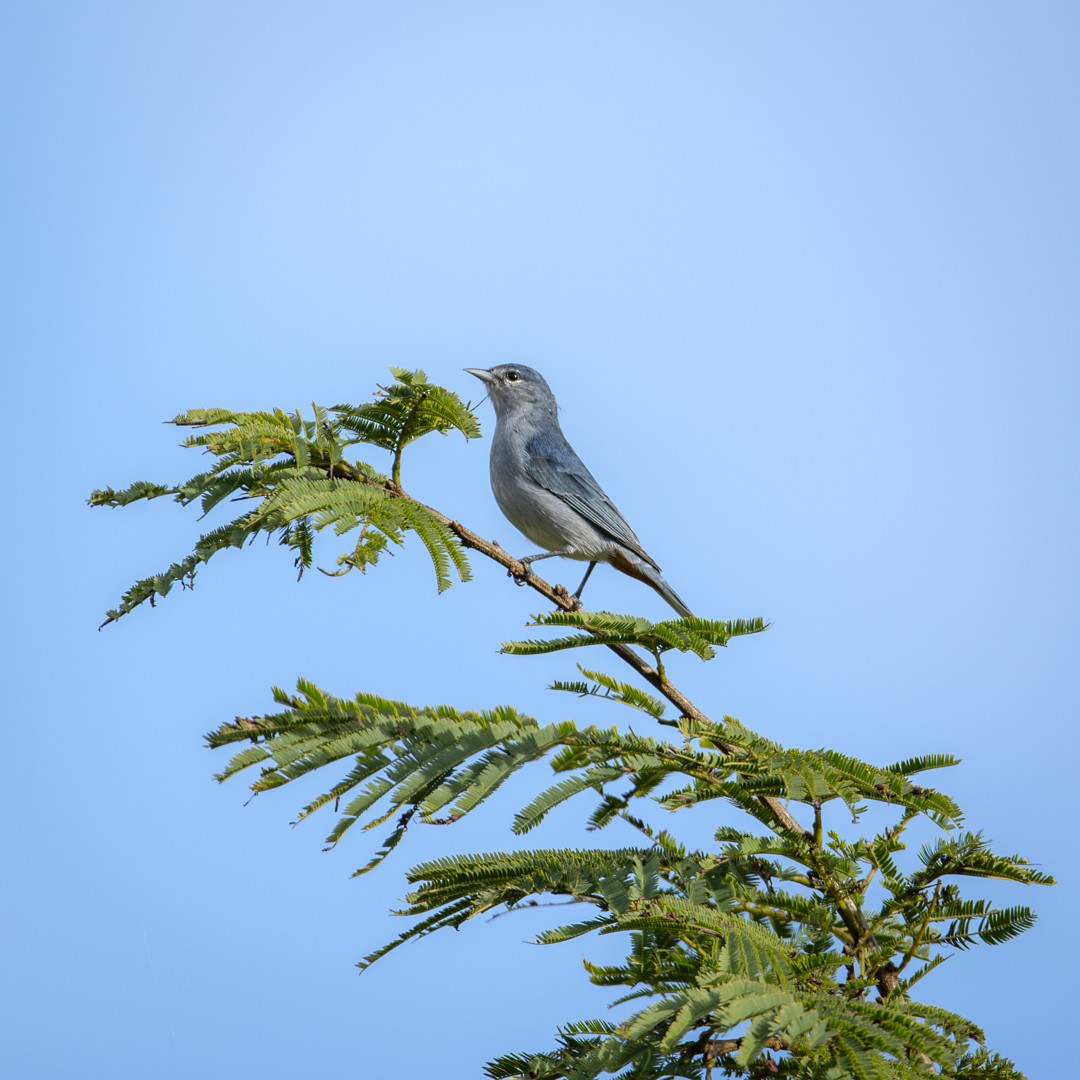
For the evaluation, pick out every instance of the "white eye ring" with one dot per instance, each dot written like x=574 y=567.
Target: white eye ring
x=512 y=376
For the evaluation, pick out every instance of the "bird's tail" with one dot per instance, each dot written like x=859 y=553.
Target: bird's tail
x=629 y=563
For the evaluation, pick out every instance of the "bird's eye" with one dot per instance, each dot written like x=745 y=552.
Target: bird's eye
x=513 y=376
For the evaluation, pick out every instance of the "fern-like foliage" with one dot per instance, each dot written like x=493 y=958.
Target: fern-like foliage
x=404 y=412
x=606 y=686
x=295 y=472
x=767 y=953
x=694 y=635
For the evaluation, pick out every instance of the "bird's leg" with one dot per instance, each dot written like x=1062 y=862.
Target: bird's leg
x=529 y=560
x=577 y=592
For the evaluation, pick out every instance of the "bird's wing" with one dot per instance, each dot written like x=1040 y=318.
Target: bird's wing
x=553 y=465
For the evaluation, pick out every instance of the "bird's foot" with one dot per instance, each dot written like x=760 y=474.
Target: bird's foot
x=521 y=579
x=575 y=600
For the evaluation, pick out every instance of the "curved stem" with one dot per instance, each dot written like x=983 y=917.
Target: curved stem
x=654 y=676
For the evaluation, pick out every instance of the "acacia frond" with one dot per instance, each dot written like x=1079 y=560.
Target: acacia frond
x=969 y=855
x=984 y=1065
x=612 y=689
x=593 y=778
x=604 y=628
x=923 y=763
x=807 y=776
x=233 y=535
x=295 y=471
x=406 y=411
x=976 y=919
x=723 y=1001
x=413 y=758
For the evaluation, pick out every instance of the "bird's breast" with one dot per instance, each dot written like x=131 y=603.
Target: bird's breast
x=541 y=515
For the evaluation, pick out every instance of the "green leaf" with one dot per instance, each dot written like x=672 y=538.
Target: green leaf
x=604 y=628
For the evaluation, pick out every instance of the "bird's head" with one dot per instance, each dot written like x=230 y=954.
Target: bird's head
x=515 y=389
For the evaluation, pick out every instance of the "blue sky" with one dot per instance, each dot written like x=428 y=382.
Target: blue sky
x=804 y=279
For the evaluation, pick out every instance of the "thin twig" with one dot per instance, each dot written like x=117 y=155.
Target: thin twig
x=562 y=599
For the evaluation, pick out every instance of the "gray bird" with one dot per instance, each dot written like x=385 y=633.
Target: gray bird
x=544 y=489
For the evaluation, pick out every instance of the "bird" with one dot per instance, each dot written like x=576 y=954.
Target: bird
x=544 y=489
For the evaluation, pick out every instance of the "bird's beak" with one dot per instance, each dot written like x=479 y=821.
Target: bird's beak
x=482 y=374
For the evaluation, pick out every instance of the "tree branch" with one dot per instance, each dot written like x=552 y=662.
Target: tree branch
x=711 y=1049
x=558 y=595
x=561 y=598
